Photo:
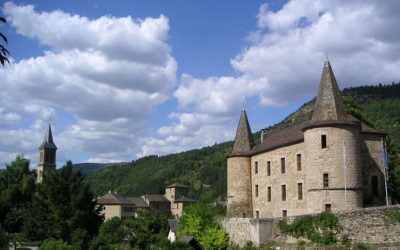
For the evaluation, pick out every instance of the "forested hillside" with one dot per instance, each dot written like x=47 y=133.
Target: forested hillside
x=204 y=170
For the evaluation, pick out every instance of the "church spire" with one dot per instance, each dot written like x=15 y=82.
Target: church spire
x=329 y=104
x=48 y=140
x=47 y=158
x=244 y=141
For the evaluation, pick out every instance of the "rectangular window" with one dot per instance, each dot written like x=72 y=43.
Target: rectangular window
x=257 y=214
x=256 y=167
x=283 y=170
x=323 y=141
x=328 y=208
x=298 y=162
x=300 y=190
x=269 y=194
x=326 y=180
x=268 y=168
x=256 y=190
x=284 y=213
x=283 y=192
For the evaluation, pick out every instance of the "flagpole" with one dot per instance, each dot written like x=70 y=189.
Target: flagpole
x=384 y=159
x=345 y=178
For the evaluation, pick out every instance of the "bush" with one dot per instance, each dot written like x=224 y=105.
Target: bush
x=392 y=216
x=321 y=229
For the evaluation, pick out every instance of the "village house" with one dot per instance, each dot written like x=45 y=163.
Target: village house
x=171 y=203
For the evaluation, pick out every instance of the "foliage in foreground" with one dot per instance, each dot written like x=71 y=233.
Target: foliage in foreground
x=147 y=231
x=63 y=208
x=321 y=229
x=201 y=222
x=17 y=187
x=52 y=244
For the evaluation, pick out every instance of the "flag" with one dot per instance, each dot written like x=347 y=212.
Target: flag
x=384 y=157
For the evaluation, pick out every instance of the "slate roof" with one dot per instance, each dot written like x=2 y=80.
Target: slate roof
x=329 y=104
x=139 y=202
x=177 y=185
x=328 y=110
x=244 y=141
x=114 y=199
x=173 y=225
x=155 y=198
x=48 y=142
x=294 y=134
x=183 y=199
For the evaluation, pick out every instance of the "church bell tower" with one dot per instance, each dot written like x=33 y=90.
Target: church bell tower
x=47 y=159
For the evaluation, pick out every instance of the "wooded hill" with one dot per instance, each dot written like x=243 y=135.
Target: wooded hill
x=204 y=170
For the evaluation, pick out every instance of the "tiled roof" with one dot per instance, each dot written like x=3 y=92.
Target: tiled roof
x=155 y=198
x=177 y=185
x=48 y=140
x=244 y=139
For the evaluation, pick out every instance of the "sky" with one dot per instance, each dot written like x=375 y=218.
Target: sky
x=119 y=80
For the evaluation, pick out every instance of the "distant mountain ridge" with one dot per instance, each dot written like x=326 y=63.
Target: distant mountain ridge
x=87 y=168
x=204 y=170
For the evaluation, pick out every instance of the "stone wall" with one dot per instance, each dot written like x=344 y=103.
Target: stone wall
x=366 y=225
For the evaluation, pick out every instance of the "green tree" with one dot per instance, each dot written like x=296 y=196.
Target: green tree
x=3 y=51
x=52 y=244
x=149 y=231
x=62 y=205
x=111 y=232
x=201 y=222
x=3 y=239
x=214 y=238
x=17 y=186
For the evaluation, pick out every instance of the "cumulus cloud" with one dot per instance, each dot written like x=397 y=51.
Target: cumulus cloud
x=105 y=74
x=284 y=62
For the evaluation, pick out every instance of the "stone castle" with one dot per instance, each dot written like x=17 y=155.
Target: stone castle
x=332 y=162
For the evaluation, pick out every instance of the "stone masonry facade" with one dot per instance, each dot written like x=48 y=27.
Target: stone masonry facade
x=330 y=163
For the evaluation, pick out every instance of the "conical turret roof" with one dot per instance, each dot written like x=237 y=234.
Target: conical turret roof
x=48 y=140
x=329 y=105
x=244 y=139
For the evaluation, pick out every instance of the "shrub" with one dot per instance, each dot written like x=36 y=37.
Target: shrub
x=321 y=229
x=392 y=216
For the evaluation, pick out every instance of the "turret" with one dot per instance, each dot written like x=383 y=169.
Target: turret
x=333 y=168
x=239 y=171
x=47 y=159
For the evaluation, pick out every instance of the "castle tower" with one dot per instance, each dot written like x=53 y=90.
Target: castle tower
x=239 y=171
x=47 y=159
x=333 y=168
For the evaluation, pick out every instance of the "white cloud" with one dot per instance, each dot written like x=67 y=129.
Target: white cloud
x=284 y=63
x=106 y=74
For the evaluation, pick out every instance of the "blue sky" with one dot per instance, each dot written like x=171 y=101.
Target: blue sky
x=124 y=79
